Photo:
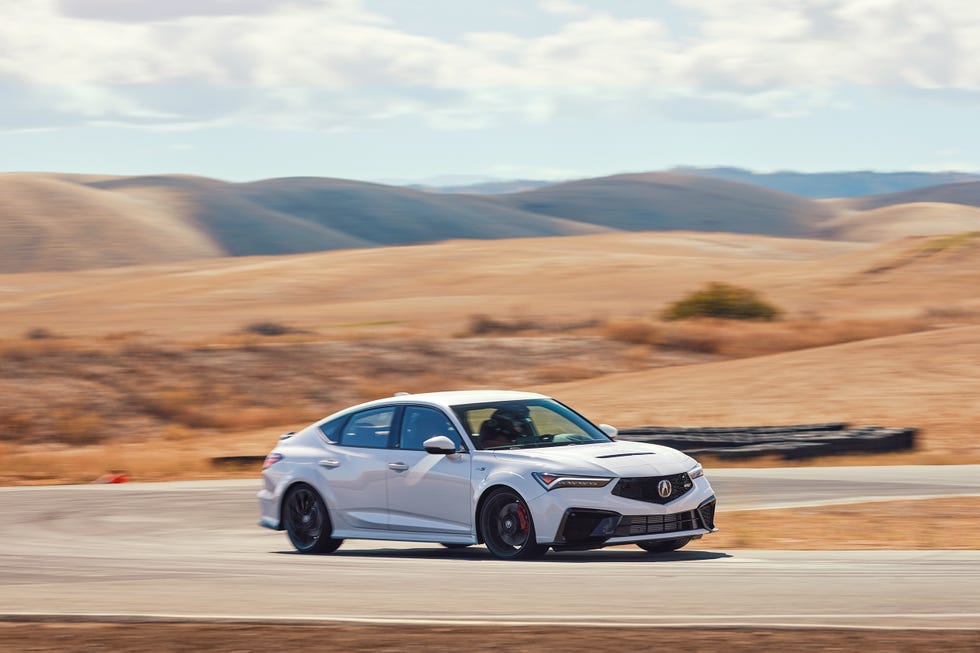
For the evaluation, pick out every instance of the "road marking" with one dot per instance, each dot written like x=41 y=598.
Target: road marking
x=628 y=621
x=848 y=501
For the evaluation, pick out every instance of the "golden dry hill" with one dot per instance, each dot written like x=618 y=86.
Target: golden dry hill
x=99 y=367
x=54 y=221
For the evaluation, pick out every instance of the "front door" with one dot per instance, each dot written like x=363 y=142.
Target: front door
x=428 y=493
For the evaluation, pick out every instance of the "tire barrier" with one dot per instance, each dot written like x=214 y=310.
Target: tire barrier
x=790 y=442
x=238 y=462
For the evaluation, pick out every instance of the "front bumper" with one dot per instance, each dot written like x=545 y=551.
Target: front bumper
x=583 y=518
x=589 y=528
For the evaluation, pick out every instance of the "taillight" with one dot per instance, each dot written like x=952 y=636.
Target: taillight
x=271 y=460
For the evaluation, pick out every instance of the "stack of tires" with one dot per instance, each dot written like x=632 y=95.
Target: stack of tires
x=787 y=442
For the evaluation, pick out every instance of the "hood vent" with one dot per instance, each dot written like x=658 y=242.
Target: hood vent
x=623 y=455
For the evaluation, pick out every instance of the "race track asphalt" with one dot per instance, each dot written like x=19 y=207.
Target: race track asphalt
x=192 y=550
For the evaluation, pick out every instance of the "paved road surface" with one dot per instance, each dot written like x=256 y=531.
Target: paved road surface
x=193 y=550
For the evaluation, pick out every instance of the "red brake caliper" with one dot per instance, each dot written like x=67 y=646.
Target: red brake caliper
x=522 y=517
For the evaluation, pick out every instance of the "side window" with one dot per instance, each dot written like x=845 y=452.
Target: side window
x=368 y=429
x=419 y=424
x=331 y=429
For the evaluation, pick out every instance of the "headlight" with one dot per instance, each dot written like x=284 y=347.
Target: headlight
x=555 y=481
x=696 y=471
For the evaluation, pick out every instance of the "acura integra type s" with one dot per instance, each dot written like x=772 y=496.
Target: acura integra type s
x=515 y=471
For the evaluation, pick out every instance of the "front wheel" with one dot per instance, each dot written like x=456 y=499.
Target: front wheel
x=507 y=527
x=663 y=546
x=307 y=521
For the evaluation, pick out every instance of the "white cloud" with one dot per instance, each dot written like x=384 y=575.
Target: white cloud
x=563 y=7
x=331 y=64
x=873 y=42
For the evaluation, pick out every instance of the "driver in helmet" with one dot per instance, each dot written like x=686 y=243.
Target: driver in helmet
x=506 y=425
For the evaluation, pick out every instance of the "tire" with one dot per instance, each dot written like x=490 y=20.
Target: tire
x=507 y=527
x=663 y=546
x=454 y=545
x=307 y=521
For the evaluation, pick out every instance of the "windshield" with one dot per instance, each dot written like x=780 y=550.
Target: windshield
x=524 y=424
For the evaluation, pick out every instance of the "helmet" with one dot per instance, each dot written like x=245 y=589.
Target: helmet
x=512 y=422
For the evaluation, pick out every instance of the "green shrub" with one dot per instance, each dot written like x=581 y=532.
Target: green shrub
x=724 y=301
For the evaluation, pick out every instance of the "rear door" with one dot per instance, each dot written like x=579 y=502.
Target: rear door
x=354 y=469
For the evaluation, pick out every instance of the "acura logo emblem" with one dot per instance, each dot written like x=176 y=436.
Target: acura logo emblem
x=664 y=488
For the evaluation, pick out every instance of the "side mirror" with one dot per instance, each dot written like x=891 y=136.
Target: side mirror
x=611 y=431
x=439 y=444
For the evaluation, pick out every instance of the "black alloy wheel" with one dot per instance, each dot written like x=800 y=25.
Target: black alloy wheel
x=663 y=546
x=507 y=527
x=307 y=521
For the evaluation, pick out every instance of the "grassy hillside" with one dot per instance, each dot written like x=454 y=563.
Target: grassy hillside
x=902 y=220
x=664 y=201
x=59 y=224
x=440 y=287
x=924 y=379
x=154 y=368
x=67 y=222
x=967 y=193
x=388 y=215
x=73 y=222
x=238 y=226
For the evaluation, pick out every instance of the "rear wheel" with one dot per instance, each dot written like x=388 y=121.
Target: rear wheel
x=507 y=527
x=663 y=546
x=307 y=521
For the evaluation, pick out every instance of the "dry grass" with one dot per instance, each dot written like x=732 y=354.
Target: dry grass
x=172 y=398
x=740 y=339
x=633 y=331
x=56 y=392
x=926 y=380
x=881 y=525
x=81 y=392
x=157 y=354
x=144 y=461
x=437 y=288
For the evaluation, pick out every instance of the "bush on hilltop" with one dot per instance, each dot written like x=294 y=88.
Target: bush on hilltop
x=722 y=300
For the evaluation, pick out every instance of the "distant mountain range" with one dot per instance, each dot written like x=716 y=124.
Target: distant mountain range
x=824 y=185
x=65 y=222
x=815 y=185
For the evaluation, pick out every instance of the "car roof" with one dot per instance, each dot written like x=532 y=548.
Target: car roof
x=457 y=397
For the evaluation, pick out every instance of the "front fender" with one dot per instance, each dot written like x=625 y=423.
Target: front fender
x=520 y=481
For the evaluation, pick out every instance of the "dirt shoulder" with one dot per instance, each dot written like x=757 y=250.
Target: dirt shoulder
x=878 y=525
x=220 y=638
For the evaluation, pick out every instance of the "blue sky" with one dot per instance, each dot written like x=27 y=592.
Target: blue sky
x=547 y=89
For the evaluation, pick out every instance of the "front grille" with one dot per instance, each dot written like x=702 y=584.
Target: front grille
x=646 y=488
x=655 y=524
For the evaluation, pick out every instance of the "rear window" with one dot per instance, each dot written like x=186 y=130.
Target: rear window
x=371 y=428
x=331 y=429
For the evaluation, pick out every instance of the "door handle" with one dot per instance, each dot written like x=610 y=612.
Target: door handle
x=329 y=462
x=398 y=467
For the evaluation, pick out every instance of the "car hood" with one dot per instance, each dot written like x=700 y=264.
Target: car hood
x=628 y=459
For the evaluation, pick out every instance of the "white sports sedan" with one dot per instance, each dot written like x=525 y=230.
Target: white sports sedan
x=516 y=471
